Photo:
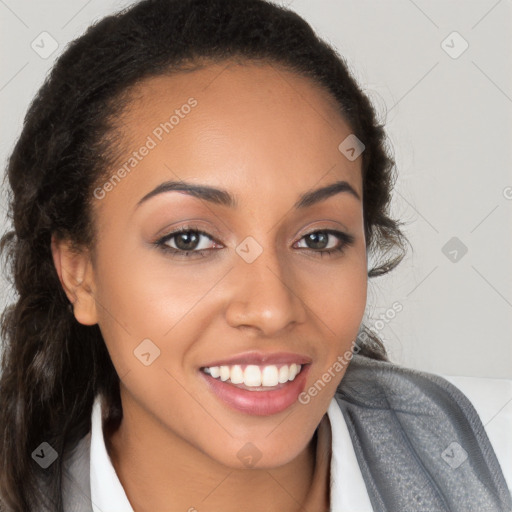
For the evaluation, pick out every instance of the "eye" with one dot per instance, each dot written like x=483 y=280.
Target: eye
x=187 y=240
x=327 y=241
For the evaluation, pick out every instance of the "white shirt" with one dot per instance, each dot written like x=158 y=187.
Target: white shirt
x=492 y=399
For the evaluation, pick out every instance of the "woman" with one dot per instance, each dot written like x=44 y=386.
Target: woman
x=196 y=192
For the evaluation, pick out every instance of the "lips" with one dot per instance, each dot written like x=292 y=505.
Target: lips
x=235 y=380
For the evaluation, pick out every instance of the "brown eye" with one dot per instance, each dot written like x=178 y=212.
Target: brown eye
x=187 y=241
x=326 y=241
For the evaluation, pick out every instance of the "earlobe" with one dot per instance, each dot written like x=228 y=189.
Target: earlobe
x=76 y=276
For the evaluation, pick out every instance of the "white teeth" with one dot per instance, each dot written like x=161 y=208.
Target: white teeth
x=255 y=376
x=252 y=376
x=224 y=373
x=283 y=374
x=237 y=375
x=215 y=371
x=269 y=376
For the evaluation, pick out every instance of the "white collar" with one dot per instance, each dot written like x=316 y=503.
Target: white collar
x=348 y=490
x=107 y=493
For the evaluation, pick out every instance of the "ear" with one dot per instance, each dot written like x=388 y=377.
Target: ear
x=74 y=268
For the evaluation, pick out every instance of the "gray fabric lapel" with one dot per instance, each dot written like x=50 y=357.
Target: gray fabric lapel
x=419 y=442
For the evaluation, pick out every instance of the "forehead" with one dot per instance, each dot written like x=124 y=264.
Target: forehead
x=238 y=124
x=240 y=84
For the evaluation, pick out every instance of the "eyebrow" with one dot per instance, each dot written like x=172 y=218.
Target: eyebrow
x=224 y=198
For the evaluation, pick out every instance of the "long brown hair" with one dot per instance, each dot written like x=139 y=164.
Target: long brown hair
x=53 y=366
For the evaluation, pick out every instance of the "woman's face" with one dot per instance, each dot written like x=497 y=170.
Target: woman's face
x=255 y=142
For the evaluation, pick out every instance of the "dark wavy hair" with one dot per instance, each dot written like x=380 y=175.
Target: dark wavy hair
x=52 y=366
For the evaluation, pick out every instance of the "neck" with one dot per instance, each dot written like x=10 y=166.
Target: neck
x=162 y=471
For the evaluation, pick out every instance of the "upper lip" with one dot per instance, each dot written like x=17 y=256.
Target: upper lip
x=261 y=358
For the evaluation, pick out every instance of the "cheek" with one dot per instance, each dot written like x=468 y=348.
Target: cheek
x=341 y=314
x=140 y=289
x=142 y=295
x=337 y=295
x=338 y=300
x=346 y=309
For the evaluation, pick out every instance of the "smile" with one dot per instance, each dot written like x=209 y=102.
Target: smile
x=257 y=390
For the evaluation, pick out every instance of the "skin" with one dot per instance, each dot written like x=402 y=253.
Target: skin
x=266 y=136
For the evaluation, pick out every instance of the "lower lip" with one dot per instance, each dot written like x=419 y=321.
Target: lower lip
x=259 y=403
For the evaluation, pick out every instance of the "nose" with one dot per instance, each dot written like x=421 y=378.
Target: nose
x=265 y=295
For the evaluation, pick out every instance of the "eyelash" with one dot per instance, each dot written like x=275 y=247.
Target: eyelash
x=346 y=240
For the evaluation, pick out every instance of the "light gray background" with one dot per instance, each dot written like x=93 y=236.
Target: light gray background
x=449 y=121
